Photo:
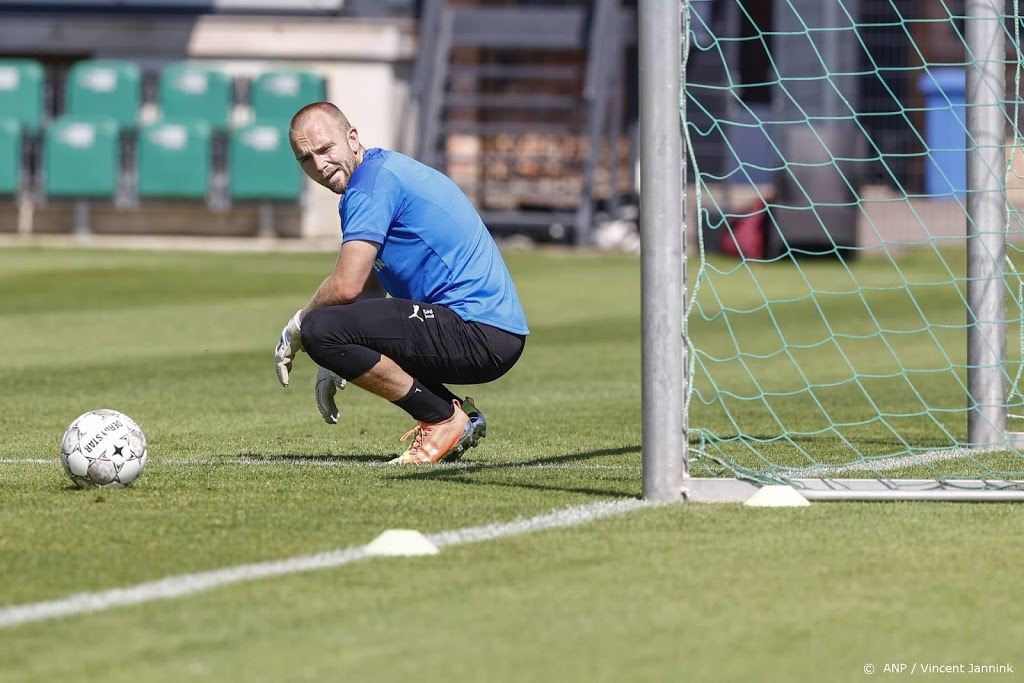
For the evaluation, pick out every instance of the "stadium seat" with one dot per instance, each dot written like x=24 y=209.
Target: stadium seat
x=21 y=92
x=197 y=93
x=80 y=157
x=261 y=164
x=107 y=88
x=277 y=95
x=10 y=156
x=174 y=160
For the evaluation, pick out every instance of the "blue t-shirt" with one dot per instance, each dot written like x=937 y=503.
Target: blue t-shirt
x=434 y=246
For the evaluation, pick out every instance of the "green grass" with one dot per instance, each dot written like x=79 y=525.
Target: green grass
x=244 y=471
x=881 y=344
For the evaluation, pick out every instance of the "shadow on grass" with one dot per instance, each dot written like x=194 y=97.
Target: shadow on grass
x=459 y=474
x=379 y=458
x=326 y=457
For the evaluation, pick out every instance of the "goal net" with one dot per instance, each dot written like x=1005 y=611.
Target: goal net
x=855 y=187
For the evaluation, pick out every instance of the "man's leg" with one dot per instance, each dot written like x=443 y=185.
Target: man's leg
x=405 y=351
x=442 y=431
x=354 y=341
x=385 y=379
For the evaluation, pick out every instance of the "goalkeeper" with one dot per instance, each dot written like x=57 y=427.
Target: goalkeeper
x=453 y=315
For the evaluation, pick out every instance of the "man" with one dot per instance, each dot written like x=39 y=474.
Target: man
x=453 y=316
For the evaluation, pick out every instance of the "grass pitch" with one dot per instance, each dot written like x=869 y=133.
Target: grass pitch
x=243 y=471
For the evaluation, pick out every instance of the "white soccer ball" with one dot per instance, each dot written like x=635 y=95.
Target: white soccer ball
x=103 y=449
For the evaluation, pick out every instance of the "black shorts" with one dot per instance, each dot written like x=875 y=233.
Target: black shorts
x=430 y=342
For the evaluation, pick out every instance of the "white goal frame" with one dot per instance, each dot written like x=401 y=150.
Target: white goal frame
x=663 y=281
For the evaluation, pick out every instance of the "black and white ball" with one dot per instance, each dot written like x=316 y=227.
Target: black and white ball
x=103 y=449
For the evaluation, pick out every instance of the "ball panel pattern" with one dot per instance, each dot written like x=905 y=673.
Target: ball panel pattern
x=103 y=448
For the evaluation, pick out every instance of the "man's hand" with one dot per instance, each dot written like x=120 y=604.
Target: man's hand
x=289 y=344
x=327 y=385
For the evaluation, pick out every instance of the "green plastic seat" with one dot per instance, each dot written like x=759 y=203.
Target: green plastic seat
x=277 y=95
x=104 y=88
x=80 y=157
x=262 y=165
x=174 y=160
x=10 y=156
x=21 y=92
x=188 y=92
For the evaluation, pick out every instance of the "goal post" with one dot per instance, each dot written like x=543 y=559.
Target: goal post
x=663 y=252
x=986 y=223
x=843 y=325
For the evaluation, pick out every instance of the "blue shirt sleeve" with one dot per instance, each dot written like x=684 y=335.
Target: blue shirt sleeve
x=367 y=214
x=433 y=245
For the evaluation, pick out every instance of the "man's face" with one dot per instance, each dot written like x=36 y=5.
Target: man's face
x=326 y=153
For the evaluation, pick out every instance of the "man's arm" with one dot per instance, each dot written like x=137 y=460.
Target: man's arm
x=355 y=261
x=346 y=283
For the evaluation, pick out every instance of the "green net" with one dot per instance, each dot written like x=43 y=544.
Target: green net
x=827 y=322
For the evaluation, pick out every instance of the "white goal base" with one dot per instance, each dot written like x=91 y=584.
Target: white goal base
x=724 y=490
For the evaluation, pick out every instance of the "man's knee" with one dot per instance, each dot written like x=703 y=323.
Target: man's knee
x=325 y=340
x=315 y=327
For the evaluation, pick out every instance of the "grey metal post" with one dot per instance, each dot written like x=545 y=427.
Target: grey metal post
x=986 y=224
x=662 y=256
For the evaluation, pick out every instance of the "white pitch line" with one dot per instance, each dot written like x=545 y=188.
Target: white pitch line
x=317 y=462
x=888 y=464
x=884 y=464
x=188 y=584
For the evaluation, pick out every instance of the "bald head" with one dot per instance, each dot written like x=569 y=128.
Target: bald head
x=324 y=111
x=325 y=145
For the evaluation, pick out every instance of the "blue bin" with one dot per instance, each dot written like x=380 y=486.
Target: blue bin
x=945 y=132
x=754 y=139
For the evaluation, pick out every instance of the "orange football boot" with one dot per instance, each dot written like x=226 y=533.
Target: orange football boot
x=435 y=442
